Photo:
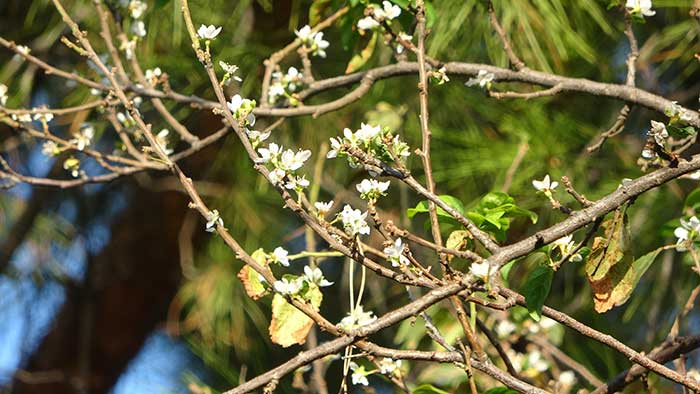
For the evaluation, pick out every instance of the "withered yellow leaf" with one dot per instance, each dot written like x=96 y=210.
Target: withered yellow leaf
x=289 y=325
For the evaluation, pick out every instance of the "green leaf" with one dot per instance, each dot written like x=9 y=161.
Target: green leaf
x=422 y=207
x=505 y=270
x=680 y=132
x=289 y=325
x=500 y=390
x=536 y=290
x=428 y=389
x=361 y=58
x=693 y=199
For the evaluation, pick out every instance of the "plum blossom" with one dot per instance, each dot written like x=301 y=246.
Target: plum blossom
x=137 y=8
x=389 y=366
x=256 y=137
x=276 y=176
x=354 y=222
x=370 y=189
x=481 y=270
x=208 y=32
x=44 y=117
x=230 y=72
x=213 y=219
x=297 y=183
x=388 y=11
x=322 y=208
x=567 y=380
x=50 y=148
x=84 y=137
x=367 y=23
x=138 y=28
x=566 y=245
x=688 y=230
x=356 y=319
x=22 y=117
x=367 y=132
x=313 y=40
x=73 y=165
x=162 y=140
x=394 y=254
x=153 y=75
x=288 y=287
x=315 y=276
x=504 y=328
x=483 y=79
x=291 y=161
x=545 y=185
x=640 y=6
x=359 y=374
x=279 y=255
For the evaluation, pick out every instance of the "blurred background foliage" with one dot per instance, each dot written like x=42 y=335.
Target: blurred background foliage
x=475 y=139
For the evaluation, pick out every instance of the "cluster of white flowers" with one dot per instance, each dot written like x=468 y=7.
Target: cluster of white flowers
x=371 y=189
x=389 y=366
x=688 y=231
x=529 y=365
x=356 y=319
x=3 y=94
x=208 y=32
x=242 y=109
x=229 y=73
x=136 y=10
x=387 y=12
x=483 y=79
x=213 y=219
x=322 y=208
x=50 y=148
x=313 y=41
x=394 y=254
x=84 y=137
x=354 y=221
x=566 y=245
x=372 y=140
x=153 y=76
x=481 y=270
x=23 y=117
x=284 y=85
x=640 y=7
x=290 y=285
x=285 y=164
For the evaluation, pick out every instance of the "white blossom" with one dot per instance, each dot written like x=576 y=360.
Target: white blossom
x=137 y=8
x=24 y=50
x=3 y=94
x=256 y=137
x=567 y=380
x=291 y=161
x=275 y=90
x=276 y=176
x=354 y=221
x=356 y=319
x=208 y=32
x=405 y=37
x=288 y=287
x=388 y=12
x=367 y=23
x=138 y=28
x=319 y=46
x=536 y=361
x=305 y=34
x=279 y=255
x=50 y=148
x=371 y=189
x=504 y=328
x=153 y=75
x=43 y=116
x=315 y=275
x=84 y=137
x=640 y=6
x=545 y=185
x=230 y=70
x=483 y=79
x=658 y=132
x=323 y=207
x=128 y=47
x=213 y=219
x=162 y=139
x=359 y=375
x=297 y=183
x=688 y=230
x=481 y=270
x=388 y=366
x=22 y=117
x=394 y=254
x=566 y=246
x=367 y=132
